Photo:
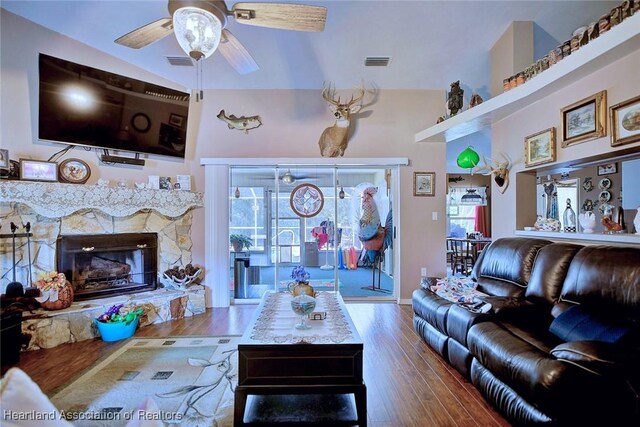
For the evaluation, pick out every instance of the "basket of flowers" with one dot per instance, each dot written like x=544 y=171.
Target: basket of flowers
x=56 y=292
x=118 y=322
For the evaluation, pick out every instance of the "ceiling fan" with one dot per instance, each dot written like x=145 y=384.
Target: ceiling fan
x=199 y=27
x=287 y=177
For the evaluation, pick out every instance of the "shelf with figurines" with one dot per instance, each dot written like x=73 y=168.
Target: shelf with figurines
x=611 y=45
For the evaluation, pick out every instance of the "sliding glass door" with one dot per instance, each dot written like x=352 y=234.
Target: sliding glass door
x=334 y=221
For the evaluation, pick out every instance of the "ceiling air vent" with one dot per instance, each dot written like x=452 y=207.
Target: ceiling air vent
x=183 y=61
x=377 y=61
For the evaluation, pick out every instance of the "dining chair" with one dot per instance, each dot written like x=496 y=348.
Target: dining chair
x=463 y=257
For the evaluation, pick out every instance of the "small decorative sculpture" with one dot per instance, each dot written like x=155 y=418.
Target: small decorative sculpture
x=610 y=226
x=475 y=100
x=241 y=123
x=455 y=98
x=587 y=221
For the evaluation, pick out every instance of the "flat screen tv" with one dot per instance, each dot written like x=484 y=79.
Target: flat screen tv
x=85 y=106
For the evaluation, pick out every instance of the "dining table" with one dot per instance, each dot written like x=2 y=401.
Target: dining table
x=466 y=251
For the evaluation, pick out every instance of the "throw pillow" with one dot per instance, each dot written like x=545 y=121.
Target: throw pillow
x=24 y=404
x=582 y=324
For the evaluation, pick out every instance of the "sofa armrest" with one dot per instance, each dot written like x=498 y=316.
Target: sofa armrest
x=598 y=357
x=511 y=307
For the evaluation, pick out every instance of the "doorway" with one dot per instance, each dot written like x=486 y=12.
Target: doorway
x=335 y=221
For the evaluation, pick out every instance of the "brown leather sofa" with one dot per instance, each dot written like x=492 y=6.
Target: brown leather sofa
x=560 y=344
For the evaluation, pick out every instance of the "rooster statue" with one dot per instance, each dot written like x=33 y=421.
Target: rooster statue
x=374 y=237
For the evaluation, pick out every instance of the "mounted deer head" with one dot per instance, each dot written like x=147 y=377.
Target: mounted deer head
x=499 y=170
x=334 y=140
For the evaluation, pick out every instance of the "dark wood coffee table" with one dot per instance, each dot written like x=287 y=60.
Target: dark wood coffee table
x=286 y=375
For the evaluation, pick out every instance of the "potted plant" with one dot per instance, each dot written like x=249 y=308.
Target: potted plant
x=118 y=322
x=240 y=241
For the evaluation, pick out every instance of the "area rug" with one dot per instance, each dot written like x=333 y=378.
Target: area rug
x=191 y=380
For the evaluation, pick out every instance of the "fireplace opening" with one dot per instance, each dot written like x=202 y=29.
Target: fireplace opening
x=103 y=265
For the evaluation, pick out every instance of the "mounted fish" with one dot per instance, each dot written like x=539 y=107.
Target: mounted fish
x=241 y=123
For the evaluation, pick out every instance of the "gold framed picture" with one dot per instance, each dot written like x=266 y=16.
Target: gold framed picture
x=424 y=183
x=540 y=148
x=585 y=120
x=625 y=122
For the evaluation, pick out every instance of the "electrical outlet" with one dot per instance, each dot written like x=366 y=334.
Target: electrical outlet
x=434 y=216
x=423 y=272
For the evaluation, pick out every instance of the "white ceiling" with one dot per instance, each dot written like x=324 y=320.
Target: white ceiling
x=431 y=43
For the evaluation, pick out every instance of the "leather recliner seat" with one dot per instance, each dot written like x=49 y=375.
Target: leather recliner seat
x=530 y=362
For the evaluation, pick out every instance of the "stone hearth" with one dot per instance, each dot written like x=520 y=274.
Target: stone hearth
x=47 y=329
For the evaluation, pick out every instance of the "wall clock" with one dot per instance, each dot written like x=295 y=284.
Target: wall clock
x=306 y=200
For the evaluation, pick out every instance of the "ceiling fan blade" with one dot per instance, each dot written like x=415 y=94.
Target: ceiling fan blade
x=298 y=17
x=236 y=54
x=147 y=34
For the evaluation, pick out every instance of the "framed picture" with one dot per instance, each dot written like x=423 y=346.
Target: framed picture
x=74 y=171
x=585 y=120
x=38 y=170
x=4 y=159
x=625 y=122
x=176 y=120
x=164 y=183
x=424 y=183
x=540 y=148
x=607 y=169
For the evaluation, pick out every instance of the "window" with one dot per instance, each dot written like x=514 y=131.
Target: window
x=248 y=216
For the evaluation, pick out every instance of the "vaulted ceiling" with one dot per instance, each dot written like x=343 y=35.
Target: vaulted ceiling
x=430 y=43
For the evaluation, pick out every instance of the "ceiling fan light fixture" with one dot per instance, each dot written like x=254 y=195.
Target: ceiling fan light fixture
x=287 y=178
x=198 y=31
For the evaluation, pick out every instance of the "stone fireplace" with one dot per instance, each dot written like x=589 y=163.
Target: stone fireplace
x=111 y=243
x=99 y=265
x=58 y=211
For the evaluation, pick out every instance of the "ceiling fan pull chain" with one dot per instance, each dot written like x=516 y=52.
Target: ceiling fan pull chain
x=201 y=91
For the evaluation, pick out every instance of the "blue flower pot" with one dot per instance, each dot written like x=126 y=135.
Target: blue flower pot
x=116 y=331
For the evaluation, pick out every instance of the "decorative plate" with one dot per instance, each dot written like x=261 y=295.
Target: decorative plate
x=605 y=208
x=306 y=200
x=604 y=197
x=74 y=171
x=605 y=184
x=587 y=185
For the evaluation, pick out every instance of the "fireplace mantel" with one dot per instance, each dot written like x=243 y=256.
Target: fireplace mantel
x=55 y=200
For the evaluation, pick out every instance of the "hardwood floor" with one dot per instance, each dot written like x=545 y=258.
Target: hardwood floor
x=407 y=383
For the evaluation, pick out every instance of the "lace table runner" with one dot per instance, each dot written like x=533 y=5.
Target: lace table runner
x=276 y=322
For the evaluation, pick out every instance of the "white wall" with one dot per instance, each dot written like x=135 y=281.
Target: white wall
x=292 y=124
x=620 y=79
